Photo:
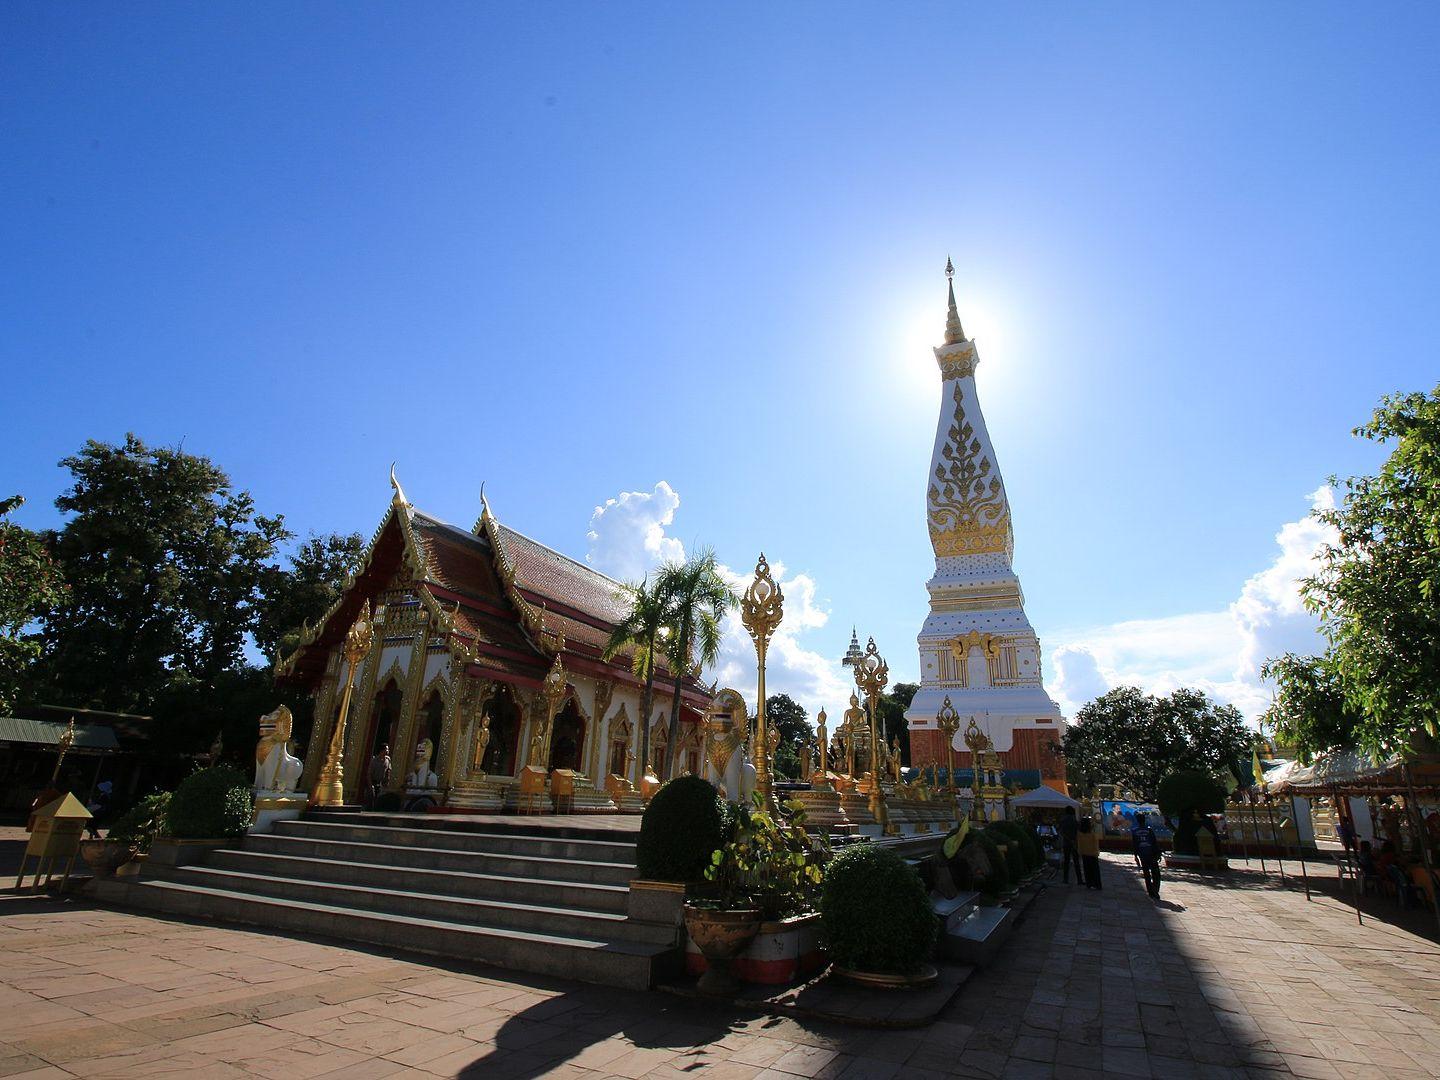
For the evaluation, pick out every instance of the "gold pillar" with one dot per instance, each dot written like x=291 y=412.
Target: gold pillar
x=761 y=609
x=871 y=675
x=330 y=791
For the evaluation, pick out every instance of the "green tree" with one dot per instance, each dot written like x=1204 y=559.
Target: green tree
x=30 y=585
x=304 y=590
x=1133 y=739
x=1309 y=711
x=638 y=632
x=890 y=716
x=787 y=716
x=164 y=564
x=695 y=598
x=1377 y=590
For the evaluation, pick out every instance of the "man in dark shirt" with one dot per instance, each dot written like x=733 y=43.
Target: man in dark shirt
x=1147 y=854
x=1069 y=826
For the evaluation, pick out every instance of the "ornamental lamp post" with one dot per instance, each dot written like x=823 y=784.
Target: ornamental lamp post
x=330 y=789
x=761 y=609
x=871 y=675
x=948 y=721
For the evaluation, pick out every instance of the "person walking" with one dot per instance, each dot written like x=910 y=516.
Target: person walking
x=1146 y=846
x=1087 y=843
x=1068 y=854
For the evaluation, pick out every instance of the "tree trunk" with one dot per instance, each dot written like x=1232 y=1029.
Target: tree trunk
x=670 y=744
x=647 y=700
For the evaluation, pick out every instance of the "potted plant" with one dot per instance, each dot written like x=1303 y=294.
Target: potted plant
x=129 y=837
x=766 y=868
x=878 y=918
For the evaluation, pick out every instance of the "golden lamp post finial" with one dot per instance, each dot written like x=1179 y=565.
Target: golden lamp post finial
x=761 y=609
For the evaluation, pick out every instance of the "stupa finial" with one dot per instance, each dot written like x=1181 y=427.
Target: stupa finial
x=954 y=332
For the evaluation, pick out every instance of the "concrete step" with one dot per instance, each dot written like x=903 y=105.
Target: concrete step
x=635 y=965
x=430 y=881
x=480 y=862
x=533 y=845
x=527 y=825
x=566 y=921
x=975 y=936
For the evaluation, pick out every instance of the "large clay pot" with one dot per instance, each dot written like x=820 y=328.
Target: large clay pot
x=104 y=857
x=720 y=936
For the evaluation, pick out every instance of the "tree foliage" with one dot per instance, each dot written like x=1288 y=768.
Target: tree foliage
x=1309 y=711
x=696 y=599
x=1377 y=590
x=164 y=564
x=639 y=633
x=787 y=716
x=304 y=590
x=1134 y=739
x=30 y=585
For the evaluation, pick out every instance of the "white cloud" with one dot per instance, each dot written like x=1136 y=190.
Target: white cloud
x=627 y=539
x=1219 y=652
x=627 y=535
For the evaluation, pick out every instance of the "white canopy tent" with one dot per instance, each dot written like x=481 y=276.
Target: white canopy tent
x=1043 y=798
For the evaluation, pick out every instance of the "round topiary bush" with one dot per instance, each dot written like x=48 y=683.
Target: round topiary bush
x=1185 y=793
x=875 y=911
x=210 y=803
x=681 y=829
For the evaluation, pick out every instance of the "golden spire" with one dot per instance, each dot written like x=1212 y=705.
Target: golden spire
x=954 y=332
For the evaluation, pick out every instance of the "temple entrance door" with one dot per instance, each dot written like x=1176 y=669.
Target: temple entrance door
x=568 y=738
x=384 y=722
x=504 y=734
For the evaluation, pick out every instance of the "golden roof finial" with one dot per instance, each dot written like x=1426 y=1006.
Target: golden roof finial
x=954 y=332
x=399 y=498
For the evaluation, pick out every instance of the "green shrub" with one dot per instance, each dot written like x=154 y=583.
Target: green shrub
x=998 y=880
x=1185 y=793
x=210 y=803
x=1014 y=860
x=1031 y=853
x=680 y=830
x=876 y=912
x=142 y=822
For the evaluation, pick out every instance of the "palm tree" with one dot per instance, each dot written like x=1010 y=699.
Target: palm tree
x=642 y=625
x=695 y=598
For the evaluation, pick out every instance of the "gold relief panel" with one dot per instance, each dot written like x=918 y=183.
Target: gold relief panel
x=968 y=511
x=958 y=361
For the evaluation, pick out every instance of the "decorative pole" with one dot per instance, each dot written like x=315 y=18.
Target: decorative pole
x=761 y=609
x=330 y=789
x=67 y=739
x=948 y=720
x=552 y=693
x=871 y=675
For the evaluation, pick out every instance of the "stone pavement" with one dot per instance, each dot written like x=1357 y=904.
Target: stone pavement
x=1244 y=979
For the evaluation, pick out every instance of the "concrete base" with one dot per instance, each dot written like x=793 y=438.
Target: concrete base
x=273 y=807
x=165 y=851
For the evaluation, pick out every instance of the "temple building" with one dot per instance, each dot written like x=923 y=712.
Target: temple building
x=468 y=627
x=977 y=648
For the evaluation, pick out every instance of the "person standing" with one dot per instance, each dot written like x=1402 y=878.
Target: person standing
x=380 y=772
x=1087 y=843
x=1068 y=854
x=1147 y=853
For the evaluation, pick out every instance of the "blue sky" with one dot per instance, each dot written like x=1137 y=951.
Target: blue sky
x=577 y=251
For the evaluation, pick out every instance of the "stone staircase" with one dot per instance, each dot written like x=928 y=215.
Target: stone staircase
x=527 y=895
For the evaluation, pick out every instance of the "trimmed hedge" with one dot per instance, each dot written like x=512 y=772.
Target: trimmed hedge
x=875 y=912
x=1031 y=853
x=998 y=880
x=680 y=830
x=210 y=803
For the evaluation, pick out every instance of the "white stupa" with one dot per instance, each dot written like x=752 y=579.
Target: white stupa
x=977 y=647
